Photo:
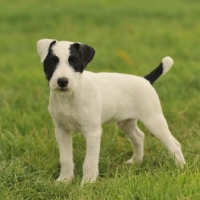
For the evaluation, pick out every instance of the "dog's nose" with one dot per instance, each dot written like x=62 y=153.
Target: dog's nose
x=62 y=82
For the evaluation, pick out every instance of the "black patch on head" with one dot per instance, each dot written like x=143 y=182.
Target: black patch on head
x=50 y=62
x=80 y=56
x=155 y=74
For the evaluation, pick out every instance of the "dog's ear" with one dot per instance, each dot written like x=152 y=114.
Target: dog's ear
x=43 y=47
x=87 y=54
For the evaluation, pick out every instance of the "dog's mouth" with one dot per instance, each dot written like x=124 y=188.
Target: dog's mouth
x=63 y=89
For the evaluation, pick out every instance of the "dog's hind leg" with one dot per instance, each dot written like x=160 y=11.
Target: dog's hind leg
x=158 y=126
x=136 y=136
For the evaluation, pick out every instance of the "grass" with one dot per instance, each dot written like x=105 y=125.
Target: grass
x=129 y=37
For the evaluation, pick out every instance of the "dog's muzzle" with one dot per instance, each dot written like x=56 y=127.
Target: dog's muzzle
x=62 y=82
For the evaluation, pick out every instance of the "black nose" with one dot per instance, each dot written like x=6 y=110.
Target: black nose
x=62 y=82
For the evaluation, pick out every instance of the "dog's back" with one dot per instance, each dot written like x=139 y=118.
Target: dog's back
x=121 y=94
x=124 y=93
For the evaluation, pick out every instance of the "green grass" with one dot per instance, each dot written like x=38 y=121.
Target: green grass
x=129 y=37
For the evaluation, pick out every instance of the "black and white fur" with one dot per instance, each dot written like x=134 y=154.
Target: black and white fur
x=83 y=101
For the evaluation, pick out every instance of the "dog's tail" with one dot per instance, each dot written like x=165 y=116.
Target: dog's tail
x=162 y=69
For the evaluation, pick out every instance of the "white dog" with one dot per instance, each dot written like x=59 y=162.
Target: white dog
x=83 y=101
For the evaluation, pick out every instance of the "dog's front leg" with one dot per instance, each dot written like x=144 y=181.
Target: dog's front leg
x=64 y=140
x=90 y=166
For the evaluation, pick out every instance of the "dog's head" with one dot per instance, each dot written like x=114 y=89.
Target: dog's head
x=64 y=63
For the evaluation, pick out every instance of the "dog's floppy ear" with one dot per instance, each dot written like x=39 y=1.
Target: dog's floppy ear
x=87 y=54
x=43 y=47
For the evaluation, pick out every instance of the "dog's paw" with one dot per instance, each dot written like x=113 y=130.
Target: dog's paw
x=180 y=163
x=130 y=161
x=133 y=160
x=89 y=176
x=88 y=180
x=65 y=178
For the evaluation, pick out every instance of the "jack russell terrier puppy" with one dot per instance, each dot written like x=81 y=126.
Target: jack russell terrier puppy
x=82 y=101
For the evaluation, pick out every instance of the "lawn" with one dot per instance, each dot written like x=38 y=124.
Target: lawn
x=129 y=37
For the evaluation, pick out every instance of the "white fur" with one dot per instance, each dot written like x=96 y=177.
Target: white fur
x=92 y=99
x=62 y=70
x=167 y=63
x=42 y=47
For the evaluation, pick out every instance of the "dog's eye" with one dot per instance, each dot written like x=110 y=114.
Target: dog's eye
x=74 y=62
x=52 y=61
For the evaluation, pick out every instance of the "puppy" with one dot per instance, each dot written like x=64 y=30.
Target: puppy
x=83 y=101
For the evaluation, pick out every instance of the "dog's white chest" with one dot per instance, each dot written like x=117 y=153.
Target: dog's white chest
x=65 y=118
x=63 y=113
